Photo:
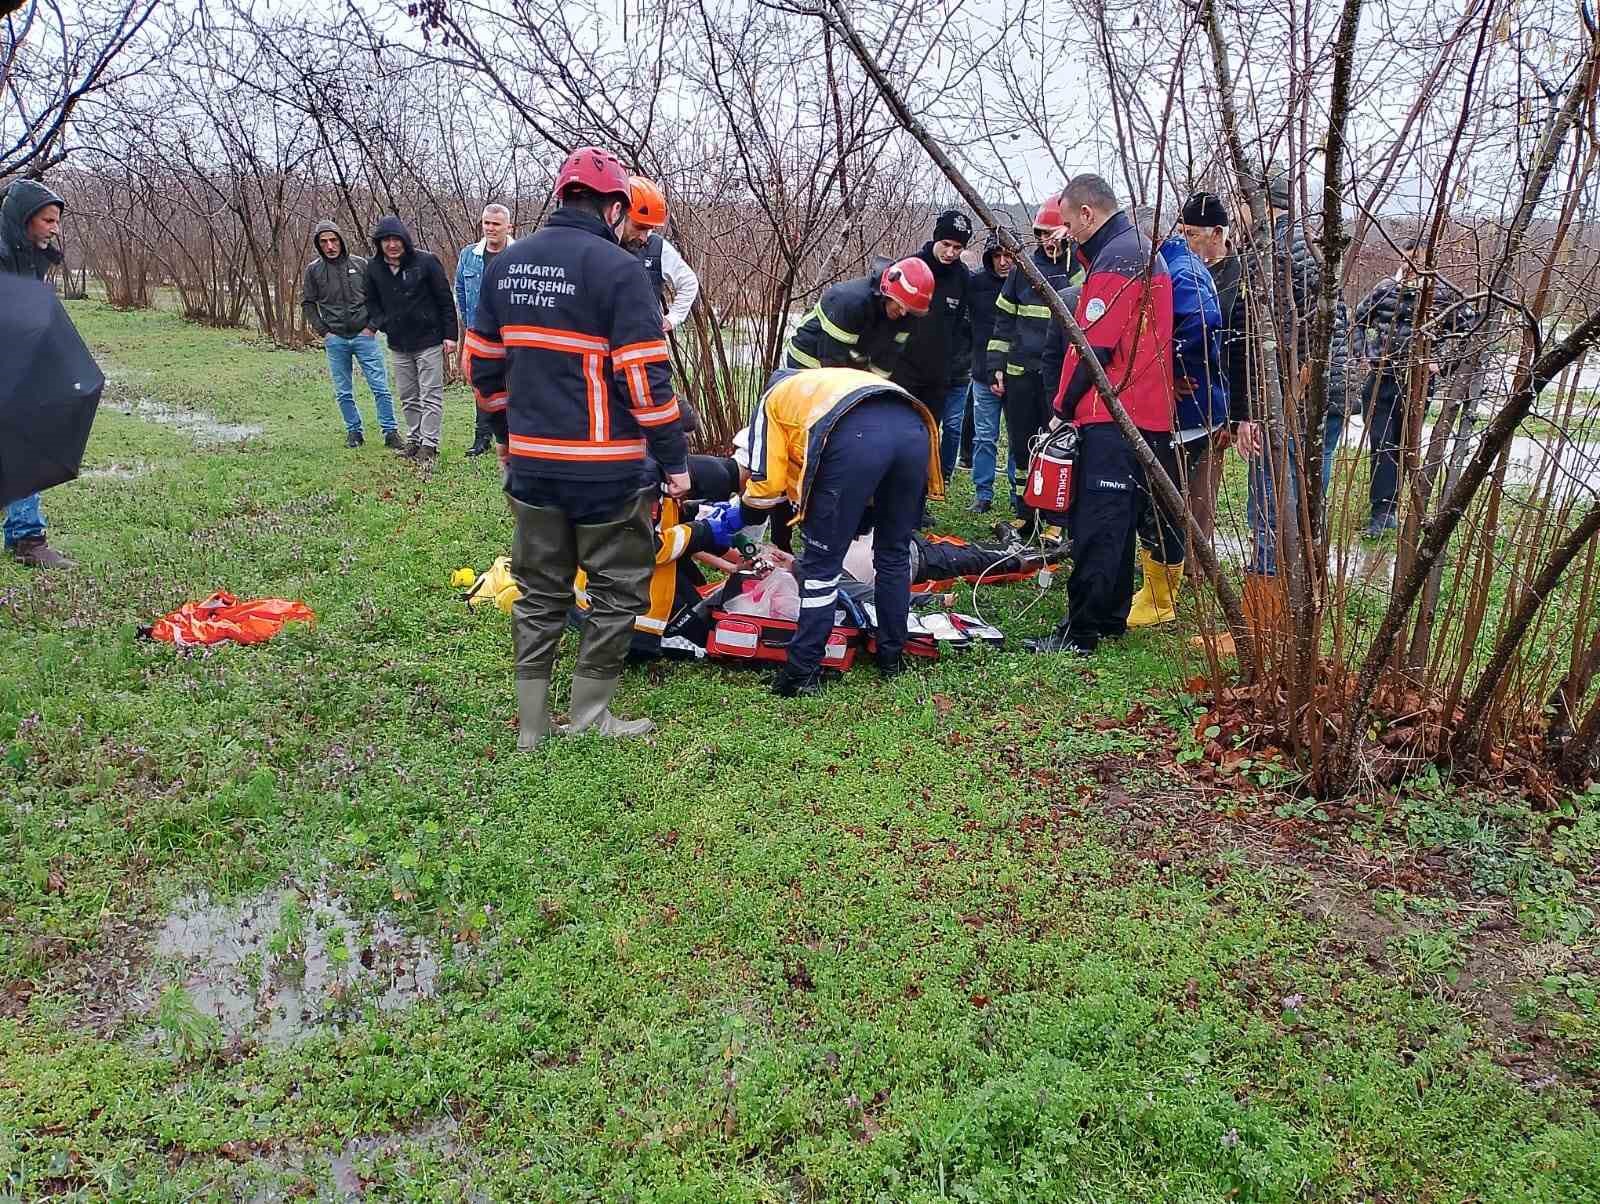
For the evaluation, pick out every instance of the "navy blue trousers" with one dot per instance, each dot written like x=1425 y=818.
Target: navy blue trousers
x=876 y=456
x=1104 y=524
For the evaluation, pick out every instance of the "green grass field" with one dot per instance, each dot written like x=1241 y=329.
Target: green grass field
x=981 y=933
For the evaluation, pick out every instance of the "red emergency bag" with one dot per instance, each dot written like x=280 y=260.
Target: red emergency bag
x=1050 y=470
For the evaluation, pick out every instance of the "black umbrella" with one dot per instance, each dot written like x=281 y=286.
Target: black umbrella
x=49 y=390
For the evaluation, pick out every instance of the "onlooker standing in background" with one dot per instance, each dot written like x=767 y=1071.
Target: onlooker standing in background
x=30 y=217
x=933 y=363
x=471 y=264
x=983 y=289
x=1387 y=322
x=333 y=300
x=408 y=298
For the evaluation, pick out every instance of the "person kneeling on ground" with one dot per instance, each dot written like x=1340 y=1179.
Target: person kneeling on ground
x=832 y=442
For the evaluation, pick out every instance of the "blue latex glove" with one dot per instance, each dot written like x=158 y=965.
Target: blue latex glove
x=723 y=521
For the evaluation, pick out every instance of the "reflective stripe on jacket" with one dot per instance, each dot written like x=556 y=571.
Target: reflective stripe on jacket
x=567 y=357
x=849 y=328
x=791 y=426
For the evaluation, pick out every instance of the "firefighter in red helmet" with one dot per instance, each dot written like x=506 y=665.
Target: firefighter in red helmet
x=863 y=323
x=567 y=357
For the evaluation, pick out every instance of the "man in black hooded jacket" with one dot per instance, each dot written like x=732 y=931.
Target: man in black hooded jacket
x=409 y=299
x=933 y=363
x=30 y=215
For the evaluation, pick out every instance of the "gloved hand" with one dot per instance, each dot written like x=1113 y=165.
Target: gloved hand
x=722 y=521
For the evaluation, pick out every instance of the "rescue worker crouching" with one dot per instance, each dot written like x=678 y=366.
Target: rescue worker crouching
x=567 y=357
x=832 y=442
x=682 y=531
x=863 y=323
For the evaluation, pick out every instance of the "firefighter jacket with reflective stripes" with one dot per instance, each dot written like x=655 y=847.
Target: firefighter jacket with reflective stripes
x=672 y=581
x=791 y=426
x=849 y=328
x=1016 y=345
x=1125 y=310
x=567 y=357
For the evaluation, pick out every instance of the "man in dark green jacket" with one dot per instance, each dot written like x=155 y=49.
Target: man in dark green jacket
x=333 y=300
x=30 y=215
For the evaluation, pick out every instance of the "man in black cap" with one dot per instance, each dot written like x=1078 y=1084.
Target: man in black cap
x=934 y=364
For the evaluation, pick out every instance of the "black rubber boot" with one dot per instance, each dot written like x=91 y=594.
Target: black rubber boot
x=788 y=684
x=1058 y=641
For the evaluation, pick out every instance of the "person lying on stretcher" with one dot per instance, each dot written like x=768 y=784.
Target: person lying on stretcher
x=686 y=533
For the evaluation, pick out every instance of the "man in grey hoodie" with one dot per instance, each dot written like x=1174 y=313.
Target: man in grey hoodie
x=334 y=302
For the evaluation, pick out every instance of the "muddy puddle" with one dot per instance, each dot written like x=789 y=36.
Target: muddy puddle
x=202 y=427
x=115 y=472
x=283 y=964
x=347 y=1174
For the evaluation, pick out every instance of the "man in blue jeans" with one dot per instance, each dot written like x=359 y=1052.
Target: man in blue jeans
x=334 y=304
x=982 y=292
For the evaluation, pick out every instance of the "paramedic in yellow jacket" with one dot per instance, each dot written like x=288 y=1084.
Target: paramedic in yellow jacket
x=836 y=443
x=674 y=581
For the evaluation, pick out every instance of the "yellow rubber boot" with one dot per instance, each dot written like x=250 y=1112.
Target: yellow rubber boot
x=1156 y=601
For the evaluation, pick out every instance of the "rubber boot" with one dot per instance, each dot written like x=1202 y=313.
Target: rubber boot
x=1156 y=601
x=590 y=710
x=533 y=712
x=1059 y=640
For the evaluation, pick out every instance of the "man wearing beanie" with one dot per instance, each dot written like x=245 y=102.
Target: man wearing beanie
x=933 y=367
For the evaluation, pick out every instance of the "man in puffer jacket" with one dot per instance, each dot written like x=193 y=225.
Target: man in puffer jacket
x=1201 y=391
x=1386 y=321
x=30 y=216
x=333 y=301
x=409 y=299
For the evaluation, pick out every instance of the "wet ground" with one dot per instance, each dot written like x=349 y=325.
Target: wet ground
x=204 y=428
x=115 y=472
x=286 y=962
x=1574 y=464
x=348 y=1174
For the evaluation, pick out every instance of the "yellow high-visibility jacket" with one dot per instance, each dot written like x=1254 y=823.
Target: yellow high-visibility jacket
x=667 y=588
x=792 y=424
